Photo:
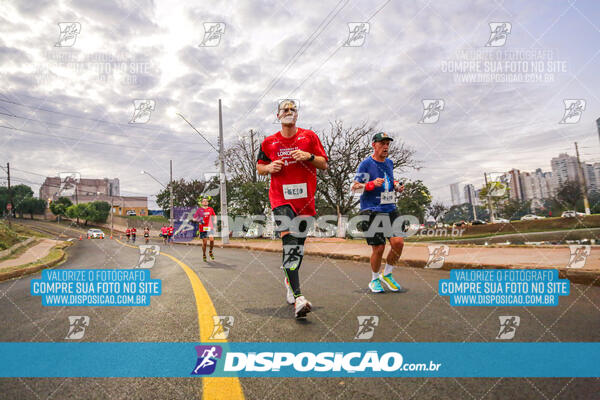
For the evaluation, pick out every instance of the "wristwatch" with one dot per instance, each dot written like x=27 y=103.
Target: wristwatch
x=312 y=157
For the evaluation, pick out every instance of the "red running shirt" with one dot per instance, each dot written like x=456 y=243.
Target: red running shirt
x=296 y=183
x=203 y=216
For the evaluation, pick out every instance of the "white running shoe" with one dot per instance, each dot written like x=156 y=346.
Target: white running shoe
x=302 y=307
x=289 y=296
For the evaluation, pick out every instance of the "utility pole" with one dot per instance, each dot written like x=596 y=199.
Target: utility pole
x=489 y=198
x=472 y=198
x=76 y=202
x=254 y=177
x=9 y=205
x=112 y=213
x=582 y=183
x=223 y=183
x=171 y=193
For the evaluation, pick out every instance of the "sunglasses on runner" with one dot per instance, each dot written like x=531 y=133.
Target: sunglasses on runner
x=289 y=109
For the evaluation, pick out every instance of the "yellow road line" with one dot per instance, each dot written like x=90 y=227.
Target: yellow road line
x=212 y=388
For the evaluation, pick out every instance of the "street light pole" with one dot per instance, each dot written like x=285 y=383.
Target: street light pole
x=489 y=198
x=171 y=194
x=170 y=189
x=223 y=183
x=582 y=183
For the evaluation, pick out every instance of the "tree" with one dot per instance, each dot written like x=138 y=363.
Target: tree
x=59 y=207
x=464 y=212
x=437 y=210
x=240 y=159
x=568 y=195
x=31 y=205
x=97 y=211
x=186 y=194
x=247 y=191
x=414 y=200
x=514 y=209
x=499 y=194
x=247 y=198
x=19 y=193
x=346 y=148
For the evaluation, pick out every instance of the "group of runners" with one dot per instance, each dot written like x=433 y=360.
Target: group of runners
x=291 y=157
x=131 y=234
x=204 y=217
x=166 y=232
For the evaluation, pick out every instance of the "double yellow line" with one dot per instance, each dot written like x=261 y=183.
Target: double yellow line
x=212 y=388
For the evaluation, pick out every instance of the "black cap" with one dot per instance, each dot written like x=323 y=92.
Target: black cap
x=380 y=137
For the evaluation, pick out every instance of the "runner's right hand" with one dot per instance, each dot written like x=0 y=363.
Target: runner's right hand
x=275 y=166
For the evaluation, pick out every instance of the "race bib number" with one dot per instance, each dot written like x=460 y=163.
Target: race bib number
x=206 y=228
x=388 y=198
x=296 y=191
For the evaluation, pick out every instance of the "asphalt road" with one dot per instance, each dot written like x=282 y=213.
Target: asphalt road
x=248 y=286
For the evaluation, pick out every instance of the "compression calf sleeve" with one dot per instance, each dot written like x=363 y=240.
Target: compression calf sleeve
x=293 y=252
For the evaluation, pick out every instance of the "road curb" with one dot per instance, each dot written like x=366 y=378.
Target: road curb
x=585 y=277
x=33 y=269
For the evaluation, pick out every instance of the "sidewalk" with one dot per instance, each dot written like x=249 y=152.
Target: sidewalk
x=32 y=254
x=416 y=256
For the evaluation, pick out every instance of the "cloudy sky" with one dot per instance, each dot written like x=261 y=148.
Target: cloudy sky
x=66 y=102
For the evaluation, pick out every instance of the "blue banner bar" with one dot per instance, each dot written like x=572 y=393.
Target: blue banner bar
x=331 y=359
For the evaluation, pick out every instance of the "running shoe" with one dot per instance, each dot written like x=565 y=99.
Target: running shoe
x=375 y=286
x=302 y=307
x=390 y=282
x=204 y=258
x=289 y=296
x=212 y=257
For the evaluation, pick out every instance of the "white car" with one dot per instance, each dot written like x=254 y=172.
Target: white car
x=95 y=233
x=501 y=220
x=571 y=214
x=530 y=217
x=131 y=213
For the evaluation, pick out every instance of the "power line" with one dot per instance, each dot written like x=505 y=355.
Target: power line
x=98 y=143
x=333 y=53
x=77 y=128
x=298 y=53
x=74 y=115
x=135 y=126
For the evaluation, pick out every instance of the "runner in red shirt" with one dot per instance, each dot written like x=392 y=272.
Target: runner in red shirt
x=291 y=157
x=128 y=233
x=133 y=234
x=205 y=216
x=164 y=232
x=170 y=233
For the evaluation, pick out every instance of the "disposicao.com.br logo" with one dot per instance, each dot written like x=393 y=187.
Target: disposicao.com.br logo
x=308 y=363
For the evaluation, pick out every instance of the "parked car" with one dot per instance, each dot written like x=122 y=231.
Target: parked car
x=478 y=222
x=530 y=217
x=460 y=223
x=501 y=220
x=131 y=213
x=570 y=214
x=95 y=233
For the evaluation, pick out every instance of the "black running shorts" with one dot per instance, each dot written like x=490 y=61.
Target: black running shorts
x=377 y=236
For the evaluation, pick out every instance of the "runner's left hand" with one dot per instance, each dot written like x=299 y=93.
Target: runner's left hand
x=300 y=155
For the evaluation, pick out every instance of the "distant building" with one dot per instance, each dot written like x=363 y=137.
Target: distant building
x=564 y=168
x=513 y=179
x=105 y=186
x=471 y=196
x=88 y=190
x=455 y=194
x=537 y=185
